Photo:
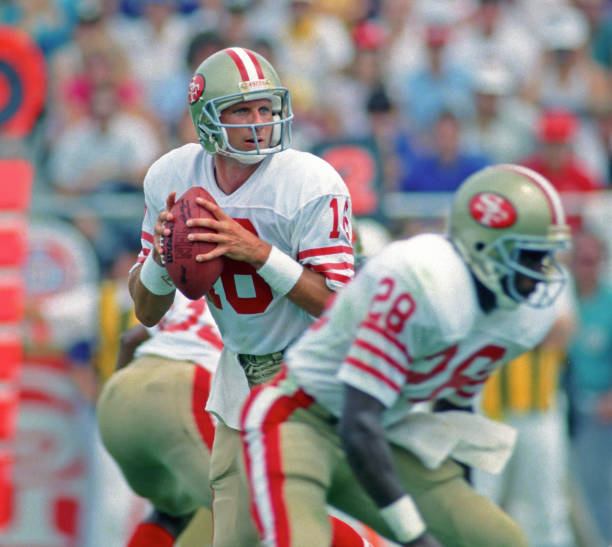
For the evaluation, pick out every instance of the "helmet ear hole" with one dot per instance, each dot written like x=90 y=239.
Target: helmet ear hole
x=479 y=246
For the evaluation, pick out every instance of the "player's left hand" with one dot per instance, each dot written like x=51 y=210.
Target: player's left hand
x=161 y=230
x=232 y=239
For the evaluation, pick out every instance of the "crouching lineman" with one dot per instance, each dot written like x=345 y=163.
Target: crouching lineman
x=427 y=319
x=153 y=422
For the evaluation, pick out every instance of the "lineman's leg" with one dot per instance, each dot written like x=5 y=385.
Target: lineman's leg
x=232 y=522
x=453 y=511
x=199 y=531
x=152 y=421
x=289 y=467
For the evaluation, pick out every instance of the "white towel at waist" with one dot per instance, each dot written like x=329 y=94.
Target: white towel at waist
x=464 y=436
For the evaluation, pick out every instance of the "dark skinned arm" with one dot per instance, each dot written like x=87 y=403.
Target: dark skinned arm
x=129 y=340
x=369 y=454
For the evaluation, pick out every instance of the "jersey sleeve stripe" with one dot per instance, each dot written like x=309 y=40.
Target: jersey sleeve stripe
x=207 y=333
x=146 y=236
x=142 y=255
x=382 y=332
x=380 y=353
x=321 y=251
x=420 y=377
x=331 y=266
x=337 y=277
x=372 y=372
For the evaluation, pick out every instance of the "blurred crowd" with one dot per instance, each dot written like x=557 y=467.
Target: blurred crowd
x=440 y=88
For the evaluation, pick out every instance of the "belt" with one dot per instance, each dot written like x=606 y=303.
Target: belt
x=260 y=369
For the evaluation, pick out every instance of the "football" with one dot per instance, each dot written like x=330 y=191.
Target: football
x=193 y=279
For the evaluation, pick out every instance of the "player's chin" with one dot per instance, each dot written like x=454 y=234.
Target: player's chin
x=527 y=289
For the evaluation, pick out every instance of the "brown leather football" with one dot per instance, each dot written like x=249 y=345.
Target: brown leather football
x=193 y=279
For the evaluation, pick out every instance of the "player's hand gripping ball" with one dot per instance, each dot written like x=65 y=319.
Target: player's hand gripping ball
x=193 y=279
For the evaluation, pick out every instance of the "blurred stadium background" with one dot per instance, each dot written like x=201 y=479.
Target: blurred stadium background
x=404 y=97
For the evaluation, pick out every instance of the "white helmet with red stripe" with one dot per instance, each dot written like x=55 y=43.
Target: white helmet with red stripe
x=501 y=212
x=231 y=76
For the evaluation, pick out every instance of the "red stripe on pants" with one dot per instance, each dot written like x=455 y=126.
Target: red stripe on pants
x=201 y=389
x=276 y=415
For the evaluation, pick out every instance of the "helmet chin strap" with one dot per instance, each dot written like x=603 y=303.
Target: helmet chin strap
x=246 y=159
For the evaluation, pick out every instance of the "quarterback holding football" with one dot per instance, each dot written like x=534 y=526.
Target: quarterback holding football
x=281 y=220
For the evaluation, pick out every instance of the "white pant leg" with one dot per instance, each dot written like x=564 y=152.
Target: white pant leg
x=533 y=486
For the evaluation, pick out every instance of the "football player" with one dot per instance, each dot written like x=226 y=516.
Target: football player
x=283 y=224
x=426 y=319
x=152 y=420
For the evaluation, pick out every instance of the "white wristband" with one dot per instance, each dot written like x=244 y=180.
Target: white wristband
x=155 y=277
x=280 y=271
x=404 y=519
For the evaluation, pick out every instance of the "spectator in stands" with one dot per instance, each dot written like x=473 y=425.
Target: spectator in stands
x=405 y=47
x=603 y=121
x=109 y=150
x=445 y=164
x=345 y=94
x=591 y=378
x=392 y=138
x=206 y=16
x=234 y=24
x=555 y=158
x=501 y=127
x=201 y=46
x=180 y=129
x=312 y=45
x=567 y=77
x=436 y=84
x=91 y=59
x=492 y=34
x=599 y=17
x=162 y=37
x=49 y=22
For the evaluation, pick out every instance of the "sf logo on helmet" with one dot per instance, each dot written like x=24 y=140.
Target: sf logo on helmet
x=492 y=210
x=196 y=88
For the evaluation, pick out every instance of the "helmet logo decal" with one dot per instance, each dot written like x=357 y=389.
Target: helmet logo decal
x=492 y=210
x=196 y=88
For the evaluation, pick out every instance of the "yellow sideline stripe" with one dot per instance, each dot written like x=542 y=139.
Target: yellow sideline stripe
x=491 y=396
x=519 y=383
x=527 y=383
x=113 y=321
x=550 y=364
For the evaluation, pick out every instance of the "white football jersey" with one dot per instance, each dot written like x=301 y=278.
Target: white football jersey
x=409 y=329
x=294 y=201
x=187 y=332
